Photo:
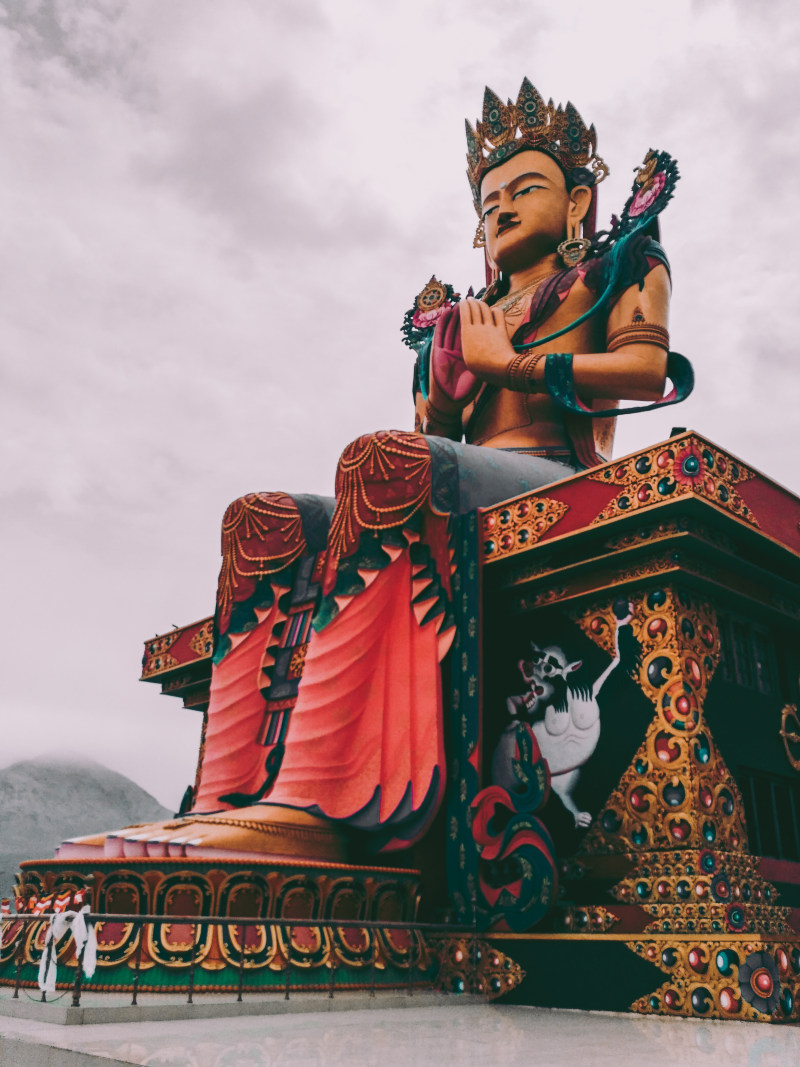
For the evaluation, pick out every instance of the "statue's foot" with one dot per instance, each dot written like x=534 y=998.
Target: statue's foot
x=262 y=831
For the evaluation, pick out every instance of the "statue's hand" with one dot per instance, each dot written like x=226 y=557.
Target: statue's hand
x=484 y=341
x=453 y=385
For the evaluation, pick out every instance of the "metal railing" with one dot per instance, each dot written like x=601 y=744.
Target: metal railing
x=243 y=924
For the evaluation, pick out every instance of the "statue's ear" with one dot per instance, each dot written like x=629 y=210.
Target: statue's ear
x=580 y=200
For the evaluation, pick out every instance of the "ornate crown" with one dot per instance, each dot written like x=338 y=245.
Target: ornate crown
x=530 y=123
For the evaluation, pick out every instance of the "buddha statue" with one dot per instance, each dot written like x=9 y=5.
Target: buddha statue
x=335 y=616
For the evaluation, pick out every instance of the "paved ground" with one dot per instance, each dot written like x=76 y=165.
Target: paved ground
x=440 y=1034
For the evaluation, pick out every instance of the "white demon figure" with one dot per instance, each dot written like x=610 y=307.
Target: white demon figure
x=565 y=718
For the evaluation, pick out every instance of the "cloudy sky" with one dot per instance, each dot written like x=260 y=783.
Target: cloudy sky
x=214 y=216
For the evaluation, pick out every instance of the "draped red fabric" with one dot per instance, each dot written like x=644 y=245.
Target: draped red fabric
x=368 y=714
x=232 y=759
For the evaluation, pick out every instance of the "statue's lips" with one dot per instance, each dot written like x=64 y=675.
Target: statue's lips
x=506 y=227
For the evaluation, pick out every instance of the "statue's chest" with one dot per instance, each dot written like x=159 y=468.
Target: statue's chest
x=558 y=313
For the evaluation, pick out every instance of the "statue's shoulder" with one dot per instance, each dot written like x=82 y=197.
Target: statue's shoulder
x=430 y=304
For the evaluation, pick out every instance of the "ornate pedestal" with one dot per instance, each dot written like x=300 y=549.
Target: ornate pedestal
x=167 y=955
x=683 y=895
x=643 y=620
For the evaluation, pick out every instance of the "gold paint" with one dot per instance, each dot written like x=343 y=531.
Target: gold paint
x=476 y=964
x=526 y=522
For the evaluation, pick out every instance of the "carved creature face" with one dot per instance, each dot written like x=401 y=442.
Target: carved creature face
x=526 y=206
x=550 y=662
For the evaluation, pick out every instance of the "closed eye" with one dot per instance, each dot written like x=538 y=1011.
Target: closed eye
x=524 y=190
x=490 y=210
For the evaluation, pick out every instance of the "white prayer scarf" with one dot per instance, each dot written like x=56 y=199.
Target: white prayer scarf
x=82 y=934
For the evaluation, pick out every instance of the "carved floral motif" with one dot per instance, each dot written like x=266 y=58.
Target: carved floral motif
x=689 y=465
x=512 y=527
x=744 y=979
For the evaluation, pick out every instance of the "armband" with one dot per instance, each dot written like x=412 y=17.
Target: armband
x=561 y=386
x=639 y=333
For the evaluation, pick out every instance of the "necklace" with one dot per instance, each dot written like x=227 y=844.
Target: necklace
x=511 y=300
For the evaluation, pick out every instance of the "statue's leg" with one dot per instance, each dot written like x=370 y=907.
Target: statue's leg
x=366 y=743
x=265 y=597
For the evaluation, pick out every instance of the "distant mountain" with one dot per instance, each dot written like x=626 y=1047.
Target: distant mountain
x=42 y=802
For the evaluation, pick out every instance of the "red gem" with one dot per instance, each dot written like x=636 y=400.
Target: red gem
x=682 y=704
x=783 y=961
x=701 y=889
x=523 y=509
x=706 y=797
x=664 y=459
x=693 y=669
x=666 y=749
x=696 y=960
x=489 y=522
x=761 y=981
x=662 y=889
x=656 y=627
x=709 y=486
x=506 y=541
x=728 y=1000
x=680 y=830
x=596 y=625
x=670 y=998
x=638 y=798
x=643 y=493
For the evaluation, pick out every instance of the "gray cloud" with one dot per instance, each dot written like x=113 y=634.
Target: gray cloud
x=216 y=217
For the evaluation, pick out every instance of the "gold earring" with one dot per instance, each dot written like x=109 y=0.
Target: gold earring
x=573 y=250
x=479 y=241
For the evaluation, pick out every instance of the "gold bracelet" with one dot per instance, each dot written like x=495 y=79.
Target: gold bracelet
x=530 y=385
x=642 y=333
x=513 y=370
x=520 y=373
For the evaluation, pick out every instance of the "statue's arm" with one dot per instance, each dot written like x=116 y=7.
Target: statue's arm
x=634 y=371
x=636 y=368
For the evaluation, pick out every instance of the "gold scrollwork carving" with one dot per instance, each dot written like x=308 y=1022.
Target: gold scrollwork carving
x=677 y=791
x=472 y=965
x=668 y=471
x=519 y=525
x=743 y=979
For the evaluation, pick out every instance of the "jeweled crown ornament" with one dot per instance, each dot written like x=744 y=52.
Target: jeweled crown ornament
x=531 y=124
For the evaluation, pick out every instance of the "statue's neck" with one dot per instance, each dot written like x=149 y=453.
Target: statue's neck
x=540 y=269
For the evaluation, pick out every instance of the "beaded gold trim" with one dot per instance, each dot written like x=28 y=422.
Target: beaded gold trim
x=638 y=333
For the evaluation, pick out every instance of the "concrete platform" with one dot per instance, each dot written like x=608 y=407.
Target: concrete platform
x=425 y=1033
x=98 y=1009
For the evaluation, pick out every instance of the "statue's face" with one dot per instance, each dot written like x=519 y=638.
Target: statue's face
x=525 y=204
